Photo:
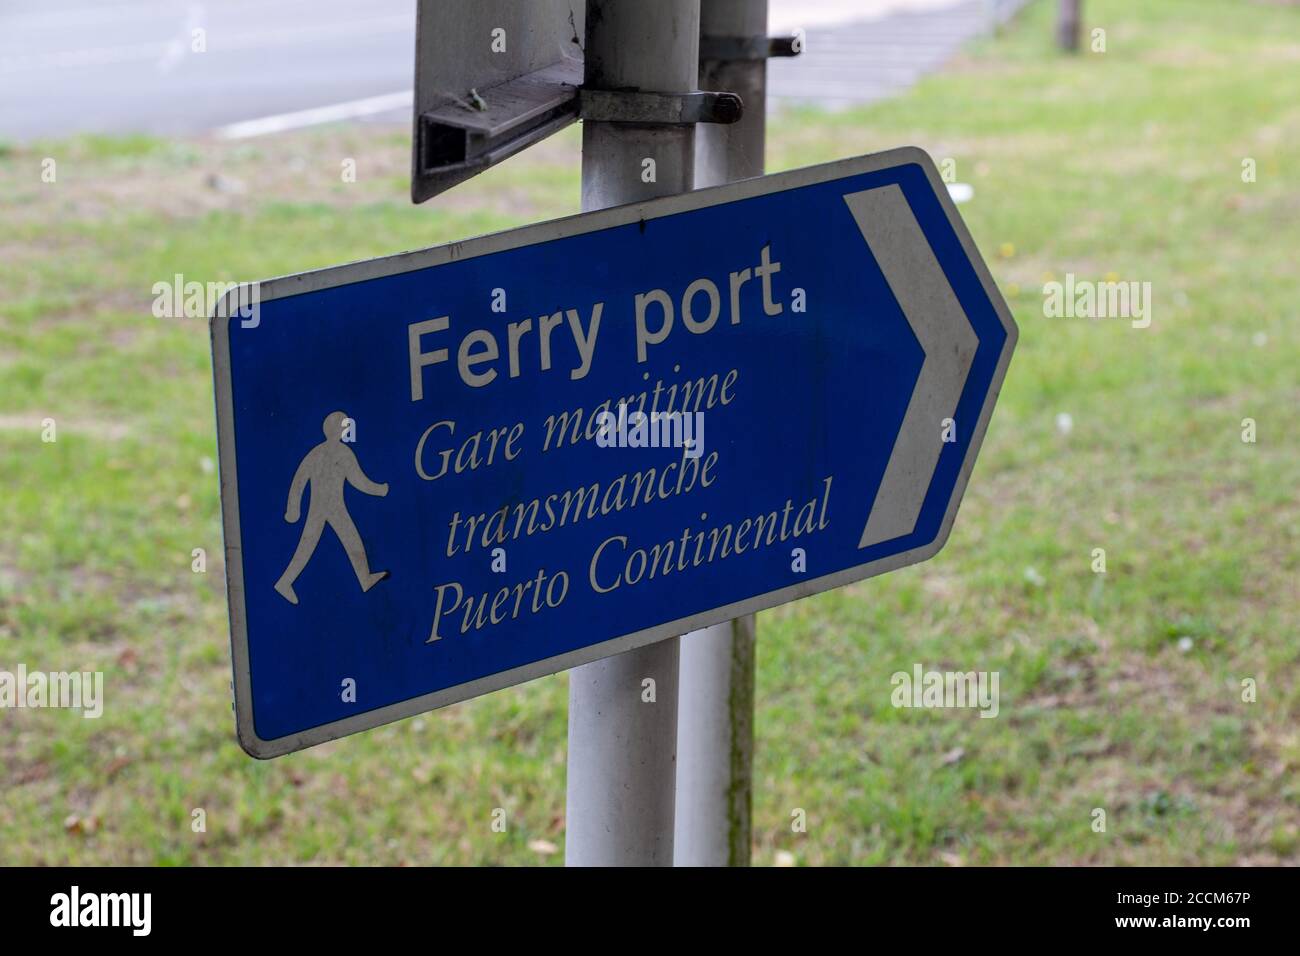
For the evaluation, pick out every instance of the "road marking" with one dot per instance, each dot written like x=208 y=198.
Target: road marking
x=353 y=109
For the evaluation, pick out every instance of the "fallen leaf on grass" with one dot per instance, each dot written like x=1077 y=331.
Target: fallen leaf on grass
x=80 y=826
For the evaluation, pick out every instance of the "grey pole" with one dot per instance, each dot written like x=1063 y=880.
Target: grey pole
x=622 y=748
x=1068 y=22
x=715 y=729
x=727 y=152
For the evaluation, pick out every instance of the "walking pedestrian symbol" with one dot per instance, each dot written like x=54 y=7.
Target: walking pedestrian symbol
x=327 y=468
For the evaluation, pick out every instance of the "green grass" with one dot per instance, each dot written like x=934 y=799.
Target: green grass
x=1125 y=163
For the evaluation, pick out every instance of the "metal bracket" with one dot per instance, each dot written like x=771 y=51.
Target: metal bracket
x=746 y=48
x=656 y=109
x=482 y=127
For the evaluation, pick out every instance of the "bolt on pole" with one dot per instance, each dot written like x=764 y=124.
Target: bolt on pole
x=623 y=728
x=715 y=730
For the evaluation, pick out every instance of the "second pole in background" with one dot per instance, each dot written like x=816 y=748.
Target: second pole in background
x=715 y=731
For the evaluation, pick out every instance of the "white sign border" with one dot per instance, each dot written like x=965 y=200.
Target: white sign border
x=512 y=239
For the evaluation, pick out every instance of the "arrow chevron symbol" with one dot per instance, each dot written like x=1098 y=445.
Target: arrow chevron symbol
x=947 y=339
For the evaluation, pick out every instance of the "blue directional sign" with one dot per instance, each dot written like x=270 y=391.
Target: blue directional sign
x=457 y=469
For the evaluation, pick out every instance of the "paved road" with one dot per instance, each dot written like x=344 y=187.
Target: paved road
x=71 y=66
x=864 y=60
x=122 y=65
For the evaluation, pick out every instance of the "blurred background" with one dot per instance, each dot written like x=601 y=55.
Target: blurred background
x=130 y=66
x=1158 y=149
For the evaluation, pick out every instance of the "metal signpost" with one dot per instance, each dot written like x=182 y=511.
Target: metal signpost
x=623 y=710
x=565 y=446
x=715 y=725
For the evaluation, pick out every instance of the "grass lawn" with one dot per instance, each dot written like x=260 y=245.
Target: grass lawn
x=1120 y=691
